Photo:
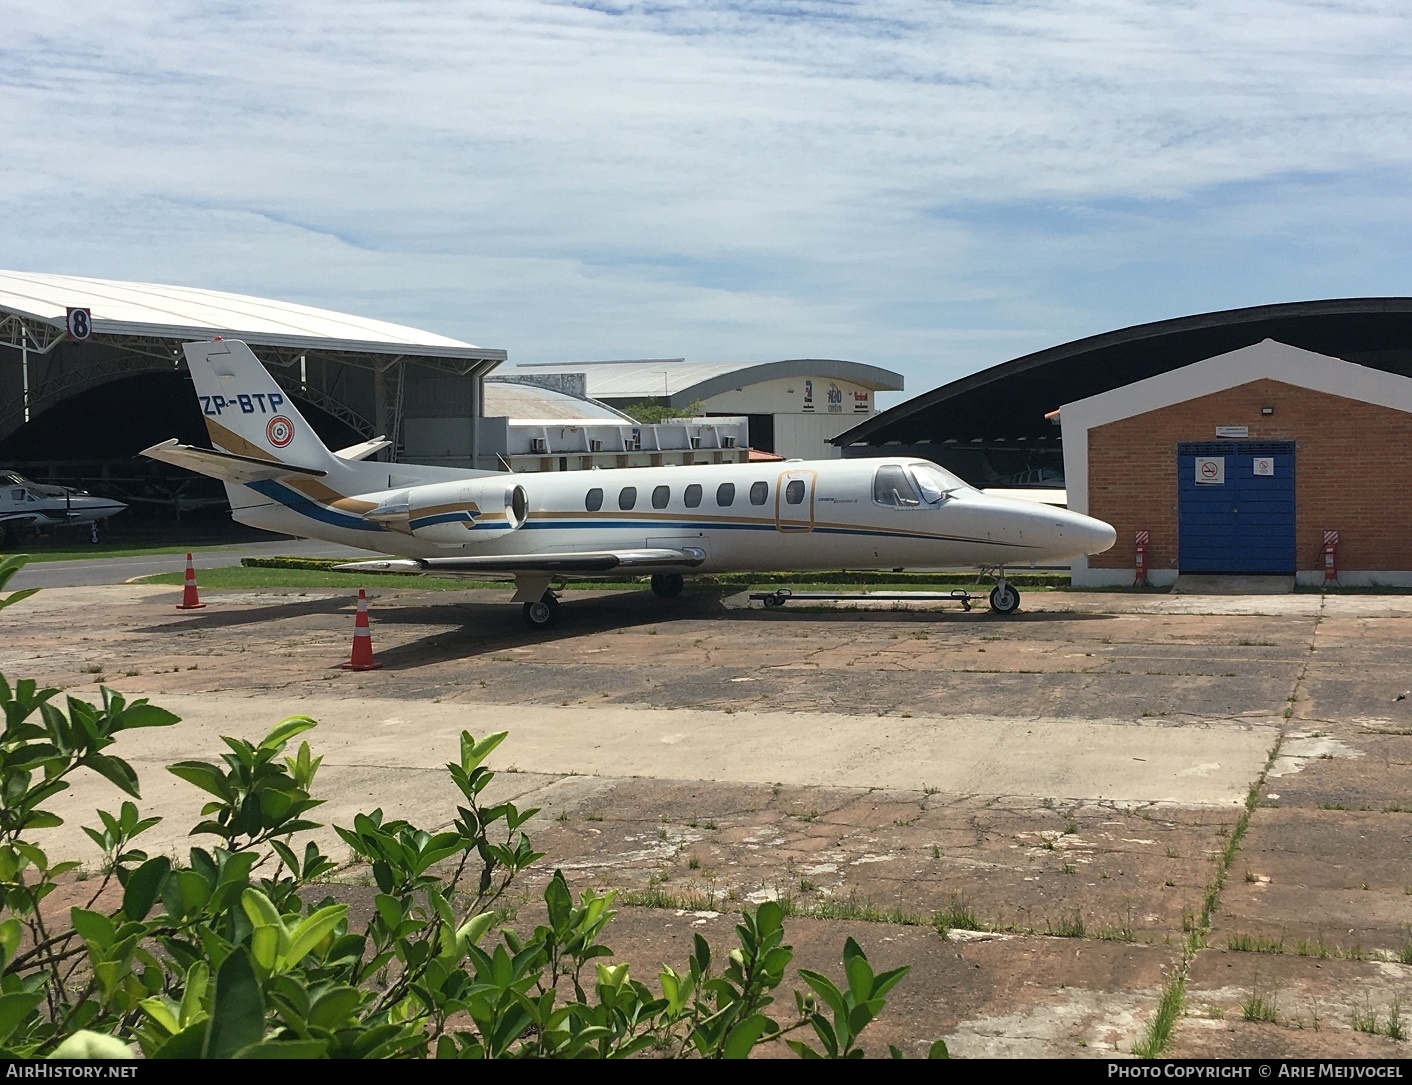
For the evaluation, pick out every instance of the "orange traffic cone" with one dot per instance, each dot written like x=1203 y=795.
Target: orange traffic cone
x=362 y=639
x=189 y=599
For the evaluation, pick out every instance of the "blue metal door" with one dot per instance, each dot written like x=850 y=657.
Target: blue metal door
x=1236 y=507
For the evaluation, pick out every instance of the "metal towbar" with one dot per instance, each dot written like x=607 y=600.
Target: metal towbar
x=781 y=596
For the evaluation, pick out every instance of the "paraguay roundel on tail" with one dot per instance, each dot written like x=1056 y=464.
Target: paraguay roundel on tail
x=245 y=411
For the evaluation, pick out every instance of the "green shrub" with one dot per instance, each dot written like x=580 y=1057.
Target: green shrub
x=241 y=952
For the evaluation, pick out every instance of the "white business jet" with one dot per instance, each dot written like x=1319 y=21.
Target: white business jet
x=540 y=529
x=26 y=504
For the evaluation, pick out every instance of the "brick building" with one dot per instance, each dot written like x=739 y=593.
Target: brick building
x=1240 y=463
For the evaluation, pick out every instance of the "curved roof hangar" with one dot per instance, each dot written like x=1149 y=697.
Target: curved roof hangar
x=1009 y=401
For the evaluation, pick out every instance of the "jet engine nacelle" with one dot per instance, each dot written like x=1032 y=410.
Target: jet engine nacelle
x=456 y=513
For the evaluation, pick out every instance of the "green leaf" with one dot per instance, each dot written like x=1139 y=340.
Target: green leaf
x=143 y=885
x=310 y=933
x=116 y=770
x=142 y=714
x=285 y=1049
x=938 y=1050
x=186 y=1044
x=238 y=1010
x=207 y=777
x=479 y=751
x=285 y=730
x=860 y=976
x=14 y=1008
x=825 y=989
x=742 y=1038
x=93 y=927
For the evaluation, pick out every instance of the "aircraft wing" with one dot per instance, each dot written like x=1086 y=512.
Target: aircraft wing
x=13 y=517
x=226 y=466
x=590 y=563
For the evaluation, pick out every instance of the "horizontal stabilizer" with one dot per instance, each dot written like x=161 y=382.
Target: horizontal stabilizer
x=364 y=450
x=596 y=562
x=226 y=466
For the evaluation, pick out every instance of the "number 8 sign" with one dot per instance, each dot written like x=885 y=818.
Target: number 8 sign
x=80 y=324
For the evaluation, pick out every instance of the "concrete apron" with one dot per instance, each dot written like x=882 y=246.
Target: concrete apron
x=391 y=754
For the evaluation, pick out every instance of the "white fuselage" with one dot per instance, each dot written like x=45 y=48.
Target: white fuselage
x=25 y=502
x=804 y=515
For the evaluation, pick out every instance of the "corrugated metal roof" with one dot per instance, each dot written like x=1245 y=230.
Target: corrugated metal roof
x=125 y=308
x=531 y=402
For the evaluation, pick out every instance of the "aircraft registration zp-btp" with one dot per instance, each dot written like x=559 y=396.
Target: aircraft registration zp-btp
x=540 y=529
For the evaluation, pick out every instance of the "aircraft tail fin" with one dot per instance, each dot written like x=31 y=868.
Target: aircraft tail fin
x=247 y=414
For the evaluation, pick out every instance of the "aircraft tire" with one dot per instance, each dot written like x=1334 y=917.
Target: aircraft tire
x=542 y=614
x=667 y=585
x=1004 y=599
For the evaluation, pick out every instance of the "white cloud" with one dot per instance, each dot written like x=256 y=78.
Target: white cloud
x=925 y=186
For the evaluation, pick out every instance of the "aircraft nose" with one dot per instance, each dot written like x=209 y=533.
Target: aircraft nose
x=1103 y=536
x=1094 y=535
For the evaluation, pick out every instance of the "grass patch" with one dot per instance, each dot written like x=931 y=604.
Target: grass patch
x=1069 y=927
x=1159 y=1029
x=957 y=916
x=81 y=552
x=244 y=577
x=1254 y=943
x=1259 y=1008
x=852 y=908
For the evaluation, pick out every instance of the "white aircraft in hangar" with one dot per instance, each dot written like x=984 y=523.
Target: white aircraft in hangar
x=26 y=504
x=544 y=528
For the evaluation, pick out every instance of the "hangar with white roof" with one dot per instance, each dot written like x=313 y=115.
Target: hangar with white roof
x=794 y=407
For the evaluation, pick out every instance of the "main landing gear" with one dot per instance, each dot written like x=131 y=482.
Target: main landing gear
x=543 y=613
x=667 y=585
x=1004 y=599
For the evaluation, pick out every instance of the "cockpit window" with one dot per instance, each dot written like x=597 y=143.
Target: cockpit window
x=935 y=482
x=892 y=486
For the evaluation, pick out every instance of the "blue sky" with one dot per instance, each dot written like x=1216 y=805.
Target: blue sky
x=929 y=187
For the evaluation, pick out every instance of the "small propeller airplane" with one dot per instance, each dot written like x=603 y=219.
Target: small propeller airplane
x=26 y=504
x=540 y=529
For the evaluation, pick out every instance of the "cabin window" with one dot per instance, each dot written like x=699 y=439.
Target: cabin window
x=759 y=493
x=660 y=496
x=892 y=486
x=725 y=494
x=627 y=498
x=594 y=500
x=692 y=497
x=794 y=492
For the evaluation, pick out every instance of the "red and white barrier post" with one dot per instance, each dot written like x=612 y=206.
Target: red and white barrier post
x=1330 y=559
x=1143 y=539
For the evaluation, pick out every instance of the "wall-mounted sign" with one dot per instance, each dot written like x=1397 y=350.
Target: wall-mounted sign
x=80 y=324
x=808 y=395
x=1265 y=465
x=1210 y=470
x=1232 y=431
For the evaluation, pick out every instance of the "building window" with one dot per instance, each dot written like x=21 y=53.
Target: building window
x=794 y=492
x=692 y=497
x=660 y=496
x=725 y=494
x=593 y=501
x=759 y=493
x=627 y=498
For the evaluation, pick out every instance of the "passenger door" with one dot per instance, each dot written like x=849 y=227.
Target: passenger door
x=794 y=501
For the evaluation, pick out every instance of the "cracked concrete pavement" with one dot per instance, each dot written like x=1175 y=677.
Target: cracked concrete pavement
x=1036 y=813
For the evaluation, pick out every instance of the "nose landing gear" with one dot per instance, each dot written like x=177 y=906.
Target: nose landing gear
x=1004 y=599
